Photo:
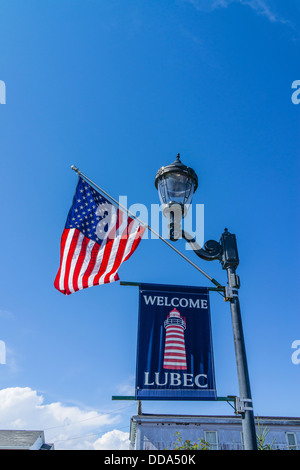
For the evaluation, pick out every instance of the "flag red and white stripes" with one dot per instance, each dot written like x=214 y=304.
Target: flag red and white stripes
x=90 y=255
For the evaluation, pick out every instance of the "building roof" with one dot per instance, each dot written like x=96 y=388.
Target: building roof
x=21 y=439
x=226 y=419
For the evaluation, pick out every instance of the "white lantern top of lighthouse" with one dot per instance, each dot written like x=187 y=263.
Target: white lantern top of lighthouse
x=174 y=313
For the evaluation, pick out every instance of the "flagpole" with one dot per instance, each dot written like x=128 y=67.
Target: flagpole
x=216 y=283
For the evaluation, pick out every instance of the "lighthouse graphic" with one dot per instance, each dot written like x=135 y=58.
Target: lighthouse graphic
x=174 y=354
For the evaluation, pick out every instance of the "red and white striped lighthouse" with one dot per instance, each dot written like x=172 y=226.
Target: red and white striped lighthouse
x=174 y=355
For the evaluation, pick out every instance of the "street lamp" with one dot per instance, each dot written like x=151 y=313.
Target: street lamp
x=176 y=184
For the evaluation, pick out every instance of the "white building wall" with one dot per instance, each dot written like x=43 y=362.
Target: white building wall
x=152 y=432
x=38 y=443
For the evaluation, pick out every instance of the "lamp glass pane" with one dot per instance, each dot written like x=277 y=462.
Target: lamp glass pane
x=176 y=187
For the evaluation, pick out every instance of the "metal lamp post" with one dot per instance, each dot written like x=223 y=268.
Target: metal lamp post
x=176 y=184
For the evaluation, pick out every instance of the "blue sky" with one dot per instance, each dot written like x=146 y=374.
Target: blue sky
x=118 y=89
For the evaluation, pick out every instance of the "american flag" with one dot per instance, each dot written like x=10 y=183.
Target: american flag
x=97 y=239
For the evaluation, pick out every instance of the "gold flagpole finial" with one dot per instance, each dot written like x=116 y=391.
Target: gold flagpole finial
x=73 y=167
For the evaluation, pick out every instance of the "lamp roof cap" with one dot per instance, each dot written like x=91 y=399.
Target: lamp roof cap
x=177 y=167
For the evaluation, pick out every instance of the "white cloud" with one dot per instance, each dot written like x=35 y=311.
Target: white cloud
x=69 y=427
x=112 y=440
x=261 y=7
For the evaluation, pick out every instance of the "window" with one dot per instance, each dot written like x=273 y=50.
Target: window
x=291 y=440
x=211 y=437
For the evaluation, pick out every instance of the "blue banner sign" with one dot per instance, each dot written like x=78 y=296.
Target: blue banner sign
x=174 y=351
